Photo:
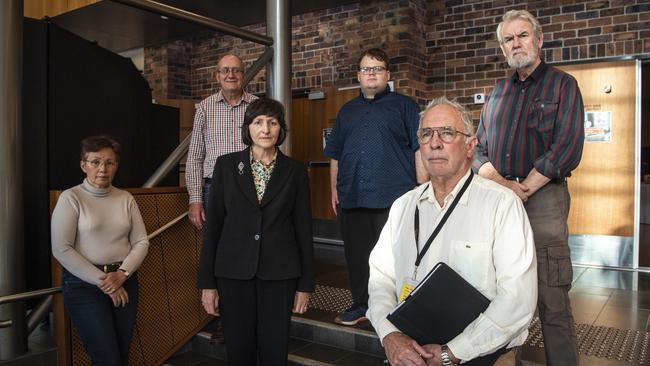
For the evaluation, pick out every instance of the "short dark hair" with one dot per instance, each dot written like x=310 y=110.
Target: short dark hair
x=263 y=107
x=376 y=53
x=96 y=143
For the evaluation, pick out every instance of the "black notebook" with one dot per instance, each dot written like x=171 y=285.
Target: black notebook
x=440 y=308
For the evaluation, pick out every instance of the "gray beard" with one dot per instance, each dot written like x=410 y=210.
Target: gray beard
x=521 y=62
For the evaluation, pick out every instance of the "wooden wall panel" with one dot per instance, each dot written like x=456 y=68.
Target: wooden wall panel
x=187 y=109
x=38 y=9
x=602 y=187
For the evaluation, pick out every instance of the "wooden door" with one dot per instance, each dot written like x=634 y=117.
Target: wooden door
x=309 y=118
x=602 y=187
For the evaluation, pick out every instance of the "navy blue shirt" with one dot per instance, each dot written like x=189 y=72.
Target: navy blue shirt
x=374 y=141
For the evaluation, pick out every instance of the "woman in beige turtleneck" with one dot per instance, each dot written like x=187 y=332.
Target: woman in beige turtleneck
x=99 y=238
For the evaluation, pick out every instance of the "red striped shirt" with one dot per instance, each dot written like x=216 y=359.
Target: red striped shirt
x=536 y=123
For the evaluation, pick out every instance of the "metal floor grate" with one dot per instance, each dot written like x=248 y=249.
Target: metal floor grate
x=625 y=345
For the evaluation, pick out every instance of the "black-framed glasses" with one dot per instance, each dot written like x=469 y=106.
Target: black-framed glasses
x=372 y=69
x=96 y=163
x=446 y=133
x=228 y=70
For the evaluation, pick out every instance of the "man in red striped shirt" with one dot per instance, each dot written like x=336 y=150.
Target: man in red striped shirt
x=216 y=131
x=530 y=138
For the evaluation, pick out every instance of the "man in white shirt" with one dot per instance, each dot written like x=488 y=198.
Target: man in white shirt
x=487 y=239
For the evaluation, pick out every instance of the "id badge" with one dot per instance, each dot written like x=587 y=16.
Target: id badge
x=408 y=287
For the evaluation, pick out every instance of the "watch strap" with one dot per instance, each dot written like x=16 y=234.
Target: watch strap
x=444 y=355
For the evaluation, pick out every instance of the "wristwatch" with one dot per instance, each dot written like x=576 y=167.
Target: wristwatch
x=126 y=273
x=446 y=359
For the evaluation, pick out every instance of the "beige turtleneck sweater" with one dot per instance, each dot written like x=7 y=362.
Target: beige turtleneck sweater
x=97 y=226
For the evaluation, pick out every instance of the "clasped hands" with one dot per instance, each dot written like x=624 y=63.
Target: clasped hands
x=111 y=284
x=402 y=350
x=519 y=188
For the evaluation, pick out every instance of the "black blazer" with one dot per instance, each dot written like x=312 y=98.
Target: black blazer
x=243 y=238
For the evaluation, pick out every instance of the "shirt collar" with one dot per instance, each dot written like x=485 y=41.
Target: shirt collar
x=275 y=157
x=535 y=76
x=379 y=95
x=429 y=195
x=246 y=97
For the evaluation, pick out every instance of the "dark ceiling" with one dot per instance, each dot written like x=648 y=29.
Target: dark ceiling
x=119 y=27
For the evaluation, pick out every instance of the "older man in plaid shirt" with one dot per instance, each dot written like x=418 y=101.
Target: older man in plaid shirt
x=216 y=131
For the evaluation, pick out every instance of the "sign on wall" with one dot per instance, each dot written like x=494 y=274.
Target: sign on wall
x=598 y=126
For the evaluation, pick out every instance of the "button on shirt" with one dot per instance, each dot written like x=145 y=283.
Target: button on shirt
x=536 y=123
x=487 y=240
x=374 y=141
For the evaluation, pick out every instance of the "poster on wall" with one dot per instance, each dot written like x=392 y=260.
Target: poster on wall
x=326 y=135
x=598 y=126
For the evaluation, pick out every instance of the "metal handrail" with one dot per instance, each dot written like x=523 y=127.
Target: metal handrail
x=180 y=14
x=39 y=311
x=25 y=296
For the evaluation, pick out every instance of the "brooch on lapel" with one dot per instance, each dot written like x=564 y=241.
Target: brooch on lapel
x=241 y=168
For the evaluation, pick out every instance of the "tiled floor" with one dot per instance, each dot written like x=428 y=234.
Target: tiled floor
x=600 y=297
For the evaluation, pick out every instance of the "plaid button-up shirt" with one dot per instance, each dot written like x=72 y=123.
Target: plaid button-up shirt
x=216 y=131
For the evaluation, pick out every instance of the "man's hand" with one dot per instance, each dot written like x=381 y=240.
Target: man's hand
x=196 y=214
x=401 y=350
x=300 y=302
x=436 y=359
x=112 y=281
x=120 y=297
x=520 y=189
x=334 y=173
x=210 y=301
x=335 y=200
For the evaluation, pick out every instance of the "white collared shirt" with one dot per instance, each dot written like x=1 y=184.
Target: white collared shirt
x=487 y=240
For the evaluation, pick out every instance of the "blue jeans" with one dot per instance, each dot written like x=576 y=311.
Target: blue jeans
x=104 y=329
x=206 y=194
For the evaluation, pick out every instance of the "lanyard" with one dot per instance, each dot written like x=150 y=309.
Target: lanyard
x=416 y=224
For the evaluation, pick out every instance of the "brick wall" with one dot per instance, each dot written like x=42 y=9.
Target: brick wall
x=573 y=30
x=436 y=47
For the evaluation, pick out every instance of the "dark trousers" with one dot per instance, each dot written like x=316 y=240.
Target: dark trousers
x=256 y=317
x=360 y=228
x=104 y=329
x=548 y=210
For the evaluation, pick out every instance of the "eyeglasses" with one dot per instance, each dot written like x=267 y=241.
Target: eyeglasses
x=228 y=70
x=96 y=163
x=446 y=134
x=372 y=69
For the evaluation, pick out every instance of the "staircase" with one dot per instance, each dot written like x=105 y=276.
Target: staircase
x=313 y=342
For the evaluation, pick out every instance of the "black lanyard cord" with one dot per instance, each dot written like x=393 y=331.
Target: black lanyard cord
x=416 y=223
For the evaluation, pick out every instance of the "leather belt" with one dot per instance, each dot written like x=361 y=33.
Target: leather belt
x=108 y=268
x=521 y=179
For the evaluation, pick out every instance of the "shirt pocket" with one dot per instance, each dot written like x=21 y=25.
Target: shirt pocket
x=542 y=119
x=472 y=261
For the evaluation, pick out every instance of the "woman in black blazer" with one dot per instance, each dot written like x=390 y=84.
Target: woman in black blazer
x=256 y=261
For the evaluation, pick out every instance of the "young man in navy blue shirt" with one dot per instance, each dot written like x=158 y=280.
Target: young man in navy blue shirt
x=374 y=150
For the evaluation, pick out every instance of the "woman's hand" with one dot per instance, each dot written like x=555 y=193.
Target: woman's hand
x=120 y=297
x=112 y=281
x=210 y=301
x=300 y=302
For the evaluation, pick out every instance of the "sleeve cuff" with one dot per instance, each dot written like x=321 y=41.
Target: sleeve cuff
x=546 y=168
x=462 y=348
x=383 y=328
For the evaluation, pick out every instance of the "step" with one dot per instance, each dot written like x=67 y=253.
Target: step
x=315 y=343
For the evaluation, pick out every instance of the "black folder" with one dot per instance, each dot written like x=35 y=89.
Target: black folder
x=440 y=308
